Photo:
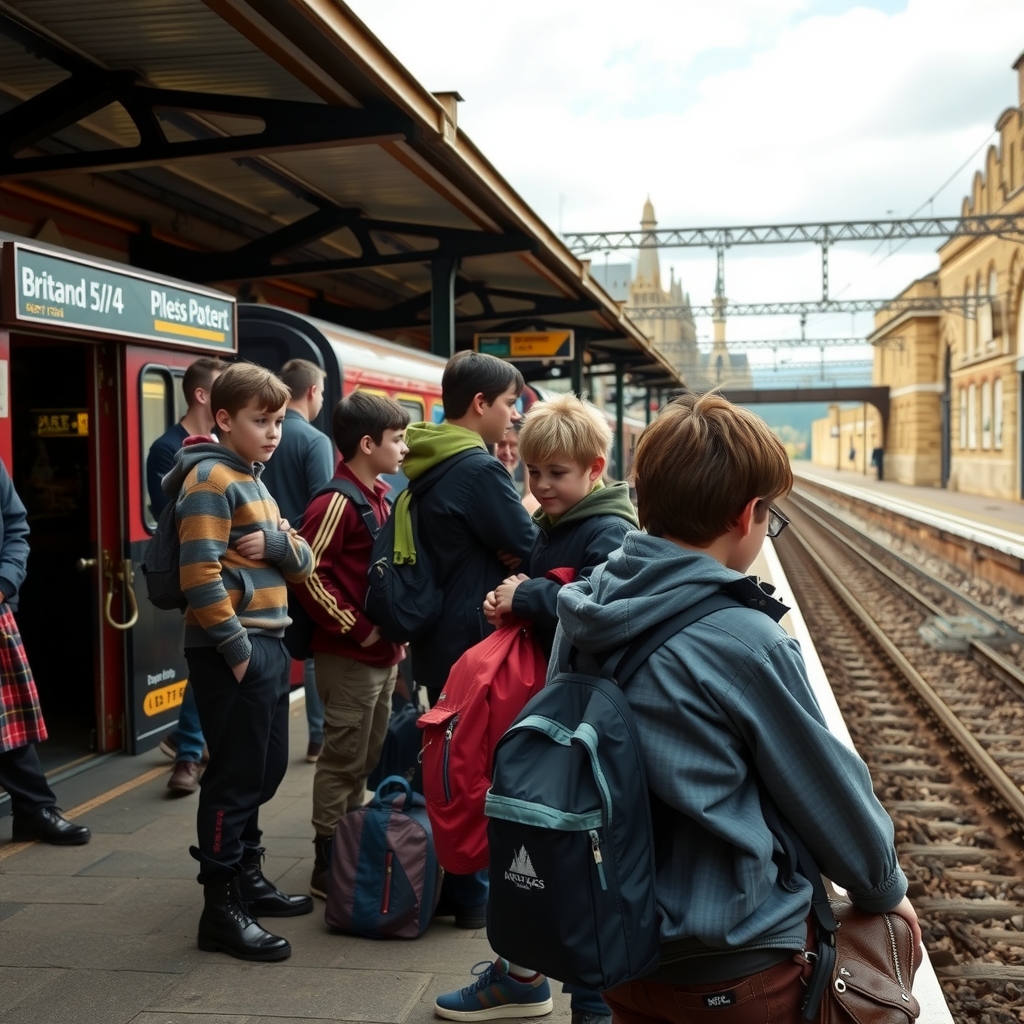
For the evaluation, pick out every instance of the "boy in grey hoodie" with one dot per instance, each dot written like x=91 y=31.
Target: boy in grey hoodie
x=727 y=719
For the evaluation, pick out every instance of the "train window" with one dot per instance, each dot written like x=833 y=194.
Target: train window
x=437 y=413
x=158 y=412
x=414 y=407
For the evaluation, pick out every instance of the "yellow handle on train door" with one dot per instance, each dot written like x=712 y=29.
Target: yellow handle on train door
x=127 y=578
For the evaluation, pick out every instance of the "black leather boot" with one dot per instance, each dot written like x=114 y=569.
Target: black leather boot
x=262 y=896
x=226 y=927
x=321 y=866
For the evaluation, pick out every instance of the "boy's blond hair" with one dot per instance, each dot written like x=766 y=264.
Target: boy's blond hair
x=564 y=427
x=700 y=462
x=240 y=383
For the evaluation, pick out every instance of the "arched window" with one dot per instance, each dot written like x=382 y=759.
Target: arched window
x=997 y=413
x=983 y=312
x=986 y=414
x=970 y=321
x=962 y=401
x=972 y=416
x=995 y=307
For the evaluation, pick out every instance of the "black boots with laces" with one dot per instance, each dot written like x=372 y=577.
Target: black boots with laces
x=226 y=927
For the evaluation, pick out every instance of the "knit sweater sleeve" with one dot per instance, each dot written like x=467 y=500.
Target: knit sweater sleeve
x=204 y=530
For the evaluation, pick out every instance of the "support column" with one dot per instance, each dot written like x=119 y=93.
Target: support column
x=620 y=406
x=647 y=406
x=442 y=306
x=576 y=366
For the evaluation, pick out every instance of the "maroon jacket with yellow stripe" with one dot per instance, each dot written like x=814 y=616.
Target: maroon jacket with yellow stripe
x=334 y=593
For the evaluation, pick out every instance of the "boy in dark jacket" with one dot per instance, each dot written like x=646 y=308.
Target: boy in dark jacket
x=355 y=667
x=474 y=529
x=564 y=445
x=236 y=554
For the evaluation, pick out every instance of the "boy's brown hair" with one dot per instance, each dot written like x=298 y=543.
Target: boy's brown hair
x=564 y=426
x=299 y=375
x=200 y=374
x=240 y=383
x=468 y=374
x=700 y=462
x=362 y=414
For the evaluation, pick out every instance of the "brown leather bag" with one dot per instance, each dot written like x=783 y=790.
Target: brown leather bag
x=874 y=969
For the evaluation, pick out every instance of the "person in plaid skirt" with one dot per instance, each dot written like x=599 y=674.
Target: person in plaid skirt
x=36 y=815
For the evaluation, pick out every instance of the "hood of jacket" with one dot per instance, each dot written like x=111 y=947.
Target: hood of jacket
x=432 y=443
x=610 y=500
x=644 y=582
x=194 y=450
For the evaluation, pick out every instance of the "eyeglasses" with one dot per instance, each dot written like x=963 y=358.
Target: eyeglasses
x=777 y=522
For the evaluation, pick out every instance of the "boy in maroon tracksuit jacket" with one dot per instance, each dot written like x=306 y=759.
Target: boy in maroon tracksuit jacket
x=355 y=667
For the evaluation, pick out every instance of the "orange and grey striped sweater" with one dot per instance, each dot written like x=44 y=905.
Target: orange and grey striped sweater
x=220 y=499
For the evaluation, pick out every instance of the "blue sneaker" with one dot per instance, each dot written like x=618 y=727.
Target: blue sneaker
x=496 y=994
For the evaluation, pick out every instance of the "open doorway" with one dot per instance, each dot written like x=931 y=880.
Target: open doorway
x=51 y=422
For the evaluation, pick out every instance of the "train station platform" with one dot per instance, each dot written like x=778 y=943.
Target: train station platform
x=106 y=933
x=996 y=513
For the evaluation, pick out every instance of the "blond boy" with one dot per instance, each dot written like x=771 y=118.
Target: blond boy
x=236 y=554
x=564 y=445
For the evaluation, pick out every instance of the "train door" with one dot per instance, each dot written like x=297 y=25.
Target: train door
x=65 y=414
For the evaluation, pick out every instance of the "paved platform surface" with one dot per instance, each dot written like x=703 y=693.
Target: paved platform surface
x=1006 y=515
x=106 y=933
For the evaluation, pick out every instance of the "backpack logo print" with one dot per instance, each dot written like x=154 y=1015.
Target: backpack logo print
x=522 y=873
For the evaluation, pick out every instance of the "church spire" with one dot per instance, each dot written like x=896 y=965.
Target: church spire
x=647 y=268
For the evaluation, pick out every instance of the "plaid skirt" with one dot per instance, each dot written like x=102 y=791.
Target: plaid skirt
x=21 y=718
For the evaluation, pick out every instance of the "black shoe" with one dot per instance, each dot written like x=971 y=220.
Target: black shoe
x=263 y=898
x=471 y=917
x=48 y=825
x=226 y=927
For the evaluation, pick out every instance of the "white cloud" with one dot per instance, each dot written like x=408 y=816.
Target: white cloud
x=725 y=112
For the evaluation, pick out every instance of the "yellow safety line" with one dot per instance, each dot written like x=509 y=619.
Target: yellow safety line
x=91 y=805
x=170 y=327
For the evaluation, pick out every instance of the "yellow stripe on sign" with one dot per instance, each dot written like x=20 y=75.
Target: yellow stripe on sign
x=189 y=332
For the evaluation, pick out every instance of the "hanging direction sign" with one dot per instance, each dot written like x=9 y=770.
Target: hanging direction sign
x=63 y=290
x=549 y=346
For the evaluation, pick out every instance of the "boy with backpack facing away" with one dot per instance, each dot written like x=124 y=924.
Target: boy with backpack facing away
x=564 y=444
x=355 y=667
x=727 y=724
x=469 y=523
x=236 y=554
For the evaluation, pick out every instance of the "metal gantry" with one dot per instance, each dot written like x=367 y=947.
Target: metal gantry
x=961 y=303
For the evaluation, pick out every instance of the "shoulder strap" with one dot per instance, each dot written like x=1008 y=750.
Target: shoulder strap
x=622 y=667
x=358 y=498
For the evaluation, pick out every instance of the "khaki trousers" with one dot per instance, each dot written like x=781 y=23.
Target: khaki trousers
x=357 y=707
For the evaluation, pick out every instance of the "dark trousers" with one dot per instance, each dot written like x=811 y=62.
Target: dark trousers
x=246 y=728
x=22 y=776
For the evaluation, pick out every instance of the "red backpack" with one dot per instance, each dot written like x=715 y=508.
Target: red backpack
x=487 y=687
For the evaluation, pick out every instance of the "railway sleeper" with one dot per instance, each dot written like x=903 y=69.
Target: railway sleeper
x=967 y=909
x=950 y=852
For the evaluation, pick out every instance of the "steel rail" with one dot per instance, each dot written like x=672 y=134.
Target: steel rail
x=1001 y=784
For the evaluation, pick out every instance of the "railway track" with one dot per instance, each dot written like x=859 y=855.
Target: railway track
x=941 y=732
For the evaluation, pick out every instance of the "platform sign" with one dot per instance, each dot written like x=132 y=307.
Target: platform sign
x=549 y=346
x=62 y=290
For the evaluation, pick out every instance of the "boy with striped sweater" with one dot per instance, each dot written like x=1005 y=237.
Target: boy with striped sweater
x=236 y=555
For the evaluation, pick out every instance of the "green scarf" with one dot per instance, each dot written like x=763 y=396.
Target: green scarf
x=429 y=445
x=611 y=500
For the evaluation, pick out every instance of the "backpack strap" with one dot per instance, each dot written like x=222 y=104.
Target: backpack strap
x=621 y=667
x=358 y=498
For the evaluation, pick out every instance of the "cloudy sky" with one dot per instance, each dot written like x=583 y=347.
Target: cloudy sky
x=728 y=112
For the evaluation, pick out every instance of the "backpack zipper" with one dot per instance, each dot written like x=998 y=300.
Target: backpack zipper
x=385 y=902
x=444 y=760
x=595 y=846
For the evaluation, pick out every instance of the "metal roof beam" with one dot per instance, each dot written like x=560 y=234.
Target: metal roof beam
x=406 y=314
x=825 y=234
x=43 y=46
x=254 y=260
x=961 y=303
x=285 y=125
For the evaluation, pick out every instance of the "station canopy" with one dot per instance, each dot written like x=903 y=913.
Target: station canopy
x=277 y=149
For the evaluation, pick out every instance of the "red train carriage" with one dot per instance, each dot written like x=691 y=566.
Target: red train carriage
x=91 y=359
